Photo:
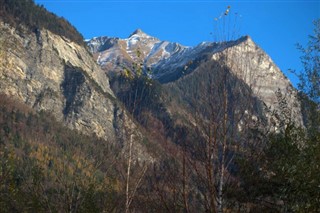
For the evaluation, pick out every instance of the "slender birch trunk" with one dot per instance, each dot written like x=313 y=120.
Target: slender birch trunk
x=128 y=176
x=224 y=145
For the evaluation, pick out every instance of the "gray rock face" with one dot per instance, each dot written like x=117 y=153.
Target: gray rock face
x=51 y=73
x=253 y=66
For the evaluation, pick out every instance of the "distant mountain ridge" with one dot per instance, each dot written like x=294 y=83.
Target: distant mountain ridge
x=139 y=46
x=168 y=61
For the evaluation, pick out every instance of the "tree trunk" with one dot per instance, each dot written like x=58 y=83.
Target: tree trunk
x=128 y=176
x=224 y=144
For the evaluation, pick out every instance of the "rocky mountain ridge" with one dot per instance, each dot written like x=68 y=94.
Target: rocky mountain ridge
x=138 y=47
x=167 y=62
x=152 y=52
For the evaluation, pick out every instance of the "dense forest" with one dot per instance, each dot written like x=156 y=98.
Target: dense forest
x=35 y=17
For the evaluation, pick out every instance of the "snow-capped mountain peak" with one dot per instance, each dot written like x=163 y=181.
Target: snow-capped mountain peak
x=138 y=47
x=139 y=33
x=153 y=53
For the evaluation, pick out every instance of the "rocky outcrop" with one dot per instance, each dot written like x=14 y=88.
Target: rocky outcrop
x=49 y=72
x=252 y=65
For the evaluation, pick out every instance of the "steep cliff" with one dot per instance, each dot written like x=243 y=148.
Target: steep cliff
x=49 y=72
x=252 y=65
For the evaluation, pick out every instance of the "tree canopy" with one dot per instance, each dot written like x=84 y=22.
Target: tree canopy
x=26 y=12
x=310 y=76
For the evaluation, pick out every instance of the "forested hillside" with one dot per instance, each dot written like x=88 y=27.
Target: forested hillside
x=35 y=17
x=45 y=167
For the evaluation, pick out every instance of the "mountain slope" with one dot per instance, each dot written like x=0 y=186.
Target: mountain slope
x=43 y=161
x=49 y=72
x=168 y=62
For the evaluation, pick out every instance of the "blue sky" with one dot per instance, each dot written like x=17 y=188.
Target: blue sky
x=276 y=26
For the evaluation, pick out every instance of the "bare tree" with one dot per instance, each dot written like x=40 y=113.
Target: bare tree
x=132 y=183
x=224 y=109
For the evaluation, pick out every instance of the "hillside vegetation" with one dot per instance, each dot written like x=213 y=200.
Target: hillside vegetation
x=35 y=17
x=45 y=167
